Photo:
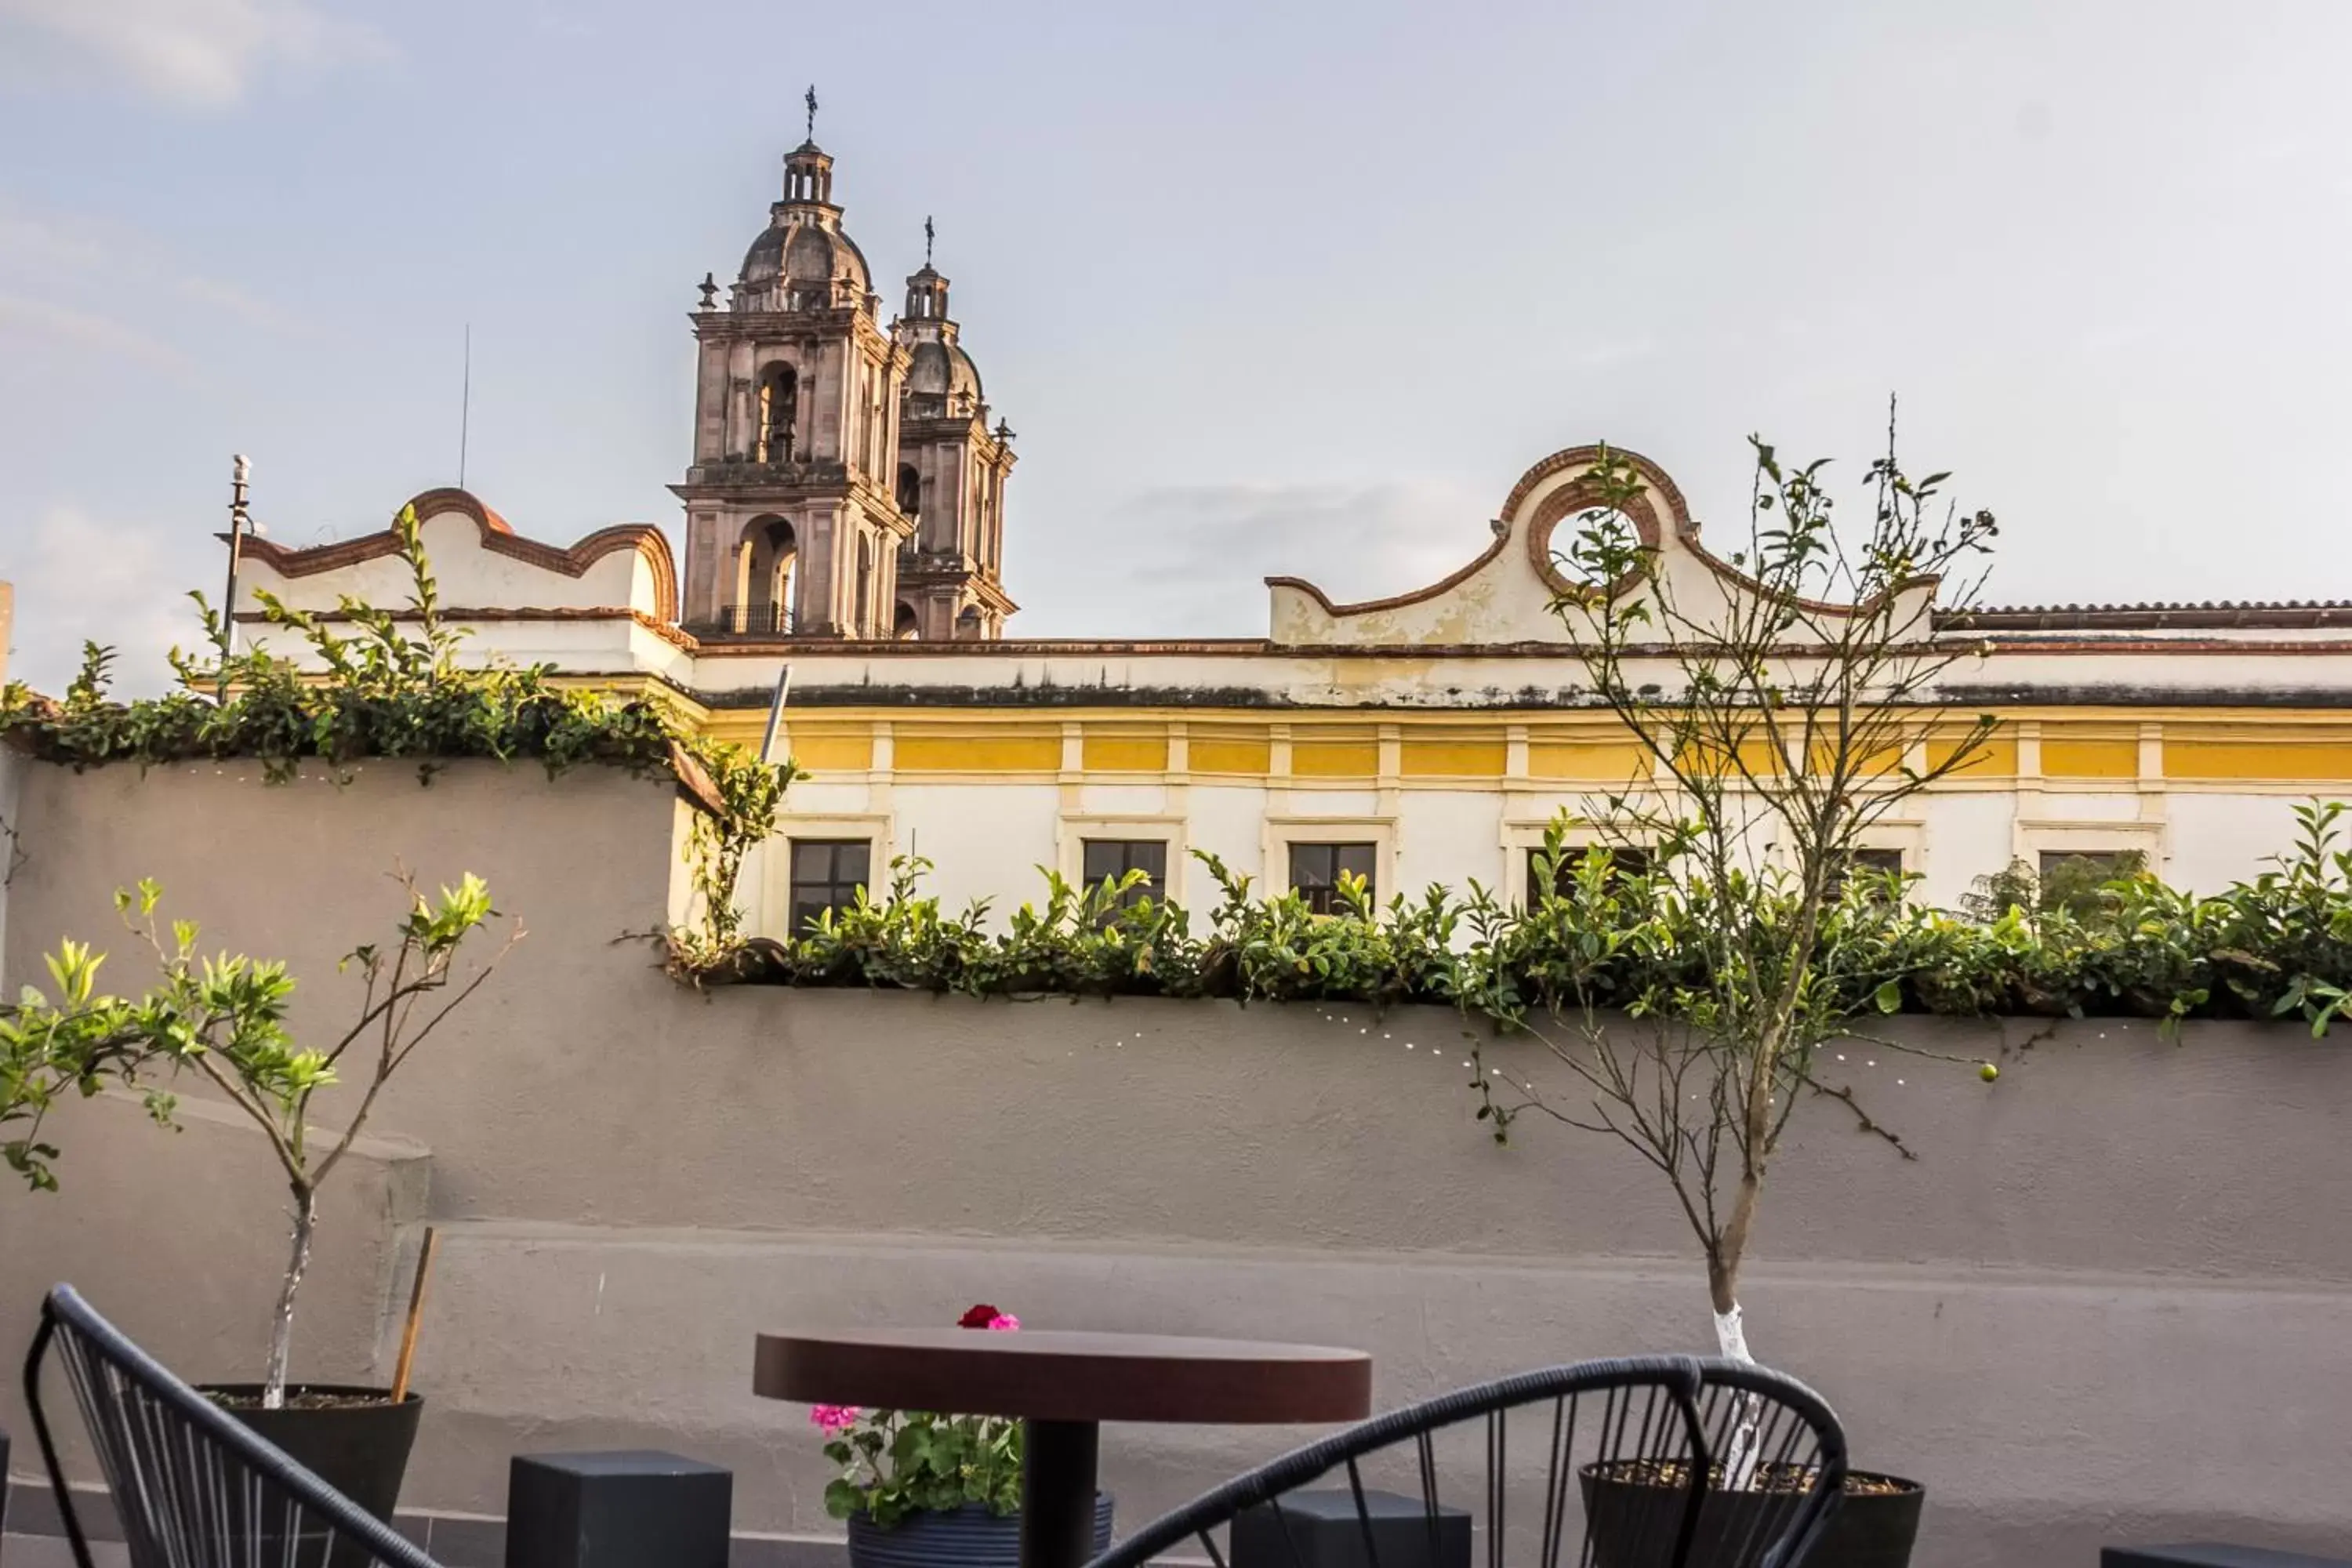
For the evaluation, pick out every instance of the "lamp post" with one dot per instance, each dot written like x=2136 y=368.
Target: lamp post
x=241 y=469
x=776 y=713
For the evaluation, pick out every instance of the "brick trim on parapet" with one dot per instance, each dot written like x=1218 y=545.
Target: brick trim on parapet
x=667 y=631
x=498 y=538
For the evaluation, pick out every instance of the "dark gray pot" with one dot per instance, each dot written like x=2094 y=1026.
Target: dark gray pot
x=360 y=1450
x=1630 y=1523
x=968 y=1537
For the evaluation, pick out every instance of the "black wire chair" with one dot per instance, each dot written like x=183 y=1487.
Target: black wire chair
x=1622 y=1463
x=194 y=1487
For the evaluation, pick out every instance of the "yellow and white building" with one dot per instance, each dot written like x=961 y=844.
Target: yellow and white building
x=1438 y=731
x=844 y=517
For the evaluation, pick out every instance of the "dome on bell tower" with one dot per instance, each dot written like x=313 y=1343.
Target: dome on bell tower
x=941 y=377
x=804 y=261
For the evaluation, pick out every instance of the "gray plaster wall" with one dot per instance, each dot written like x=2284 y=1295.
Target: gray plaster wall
x=2109 y=1299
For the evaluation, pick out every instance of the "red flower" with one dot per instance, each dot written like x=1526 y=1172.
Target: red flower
x=980 y=1317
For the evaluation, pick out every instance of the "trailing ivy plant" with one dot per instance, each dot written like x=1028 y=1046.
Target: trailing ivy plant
x=388 y=684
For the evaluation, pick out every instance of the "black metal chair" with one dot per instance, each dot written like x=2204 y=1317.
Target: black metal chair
x=1622 y=1463
x=194 y=1487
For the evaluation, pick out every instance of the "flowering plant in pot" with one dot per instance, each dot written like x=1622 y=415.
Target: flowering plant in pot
x=920 y=1490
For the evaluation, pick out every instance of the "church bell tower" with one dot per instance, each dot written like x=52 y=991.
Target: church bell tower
x=951 y=474
x=793 y=521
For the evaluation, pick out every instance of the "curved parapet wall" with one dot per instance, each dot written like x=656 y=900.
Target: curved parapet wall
x=1517 y=591
x=586 y=607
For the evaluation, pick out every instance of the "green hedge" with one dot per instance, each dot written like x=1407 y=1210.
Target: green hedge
x=2277 y=946
x=379 y=689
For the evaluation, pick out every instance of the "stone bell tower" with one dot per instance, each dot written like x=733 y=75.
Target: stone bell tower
x=792 y=524
x=950 y=477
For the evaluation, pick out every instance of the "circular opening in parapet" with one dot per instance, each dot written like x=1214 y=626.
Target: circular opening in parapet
x=1594 y=546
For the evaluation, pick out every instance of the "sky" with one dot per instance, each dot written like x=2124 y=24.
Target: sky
x=1265 y=287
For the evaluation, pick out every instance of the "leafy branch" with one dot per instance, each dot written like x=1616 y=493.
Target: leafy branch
x=399 y=684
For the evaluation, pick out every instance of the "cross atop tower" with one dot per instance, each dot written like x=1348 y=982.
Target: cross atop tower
x=927 y=240
x=811 y=101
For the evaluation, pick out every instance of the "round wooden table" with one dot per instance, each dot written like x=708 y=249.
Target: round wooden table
x=1062 y=1387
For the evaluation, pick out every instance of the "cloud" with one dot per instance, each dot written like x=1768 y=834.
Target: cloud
x=1193 y=557
x=79 y=577
x=61 y=274
x=195 y=53
x=38 y=239
x=232 y=300
x=82 y=329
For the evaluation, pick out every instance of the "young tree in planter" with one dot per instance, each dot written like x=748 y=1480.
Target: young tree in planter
x=224 y=1017
x=1786 y=701
x=79 y=1042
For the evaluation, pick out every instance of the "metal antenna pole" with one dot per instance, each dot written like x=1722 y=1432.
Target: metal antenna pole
x=240 y=470
x=466 y=406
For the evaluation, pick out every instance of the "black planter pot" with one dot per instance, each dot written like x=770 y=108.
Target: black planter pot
x=966 y=1537
x=1631 y=1524
x=360 y=1450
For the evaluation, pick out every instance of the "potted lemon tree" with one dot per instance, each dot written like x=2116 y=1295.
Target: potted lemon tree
x=224 y=1018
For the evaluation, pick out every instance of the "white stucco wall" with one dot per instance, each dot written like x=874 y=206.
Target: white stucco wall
x=1963 y=837
x=987 y=839
x=1225 y=820
x=2217 y=839
x=1449 y=837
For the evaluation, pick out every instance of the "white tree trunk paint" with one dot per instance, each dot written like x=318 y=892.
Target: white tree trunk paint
x=1732 y=1337
x=1739 y=1461
x=281 y=1333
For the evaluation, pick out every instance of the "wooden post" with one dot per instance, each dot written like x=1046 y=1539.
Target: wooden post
x=416 y=1314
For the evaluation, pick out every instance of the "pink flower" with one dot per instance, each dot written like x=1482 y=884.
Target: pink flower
x=1004 y=1323
x=833 y=1420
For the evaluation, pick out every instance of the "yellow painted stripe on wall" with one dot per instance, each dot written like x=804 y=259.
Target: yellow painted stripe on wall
x=739 y=725
x=837 y=748
x=1994 y=757
x=2062 y=758
x=1608 y=762
x=2257 y=759
x=1884 y=761
x=992 y=751
x=1129 y=753
x=1315 y=758
x=1229 y=752
x=1463 y=759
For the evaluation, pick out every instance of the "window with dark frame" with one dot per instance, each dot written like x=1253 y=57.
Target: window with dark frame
x=2104 y=864
x=1623 y=861
x=826 y=875
x=1110 y=860
x=1878 y=862
x=1315 y=869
